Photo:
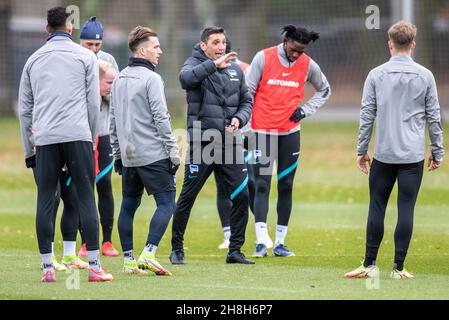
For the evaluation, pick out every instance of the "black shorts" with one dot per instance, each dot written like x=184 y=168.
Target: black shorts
x=155 y=178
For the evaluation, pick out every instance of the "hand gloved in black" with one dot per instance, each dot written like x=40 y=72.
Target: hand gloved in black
x=298 y=115
x=173 y=168
x=30 y=162
x=118 y=166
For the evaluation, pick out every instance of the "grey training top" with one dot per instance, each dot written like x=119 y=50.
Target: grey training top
x=140 y=130
x=103 y=129
x=403 y=96
x=314 y=76
x=59 y=95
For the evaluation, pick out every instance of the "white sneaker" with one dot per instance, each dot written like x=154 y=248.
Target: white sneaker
x=401 y=275
x=224 y=245
x=364 y=272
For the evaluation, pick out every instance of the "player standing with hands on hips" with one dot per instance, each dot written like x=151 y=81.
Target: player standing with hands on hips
x=401 y=96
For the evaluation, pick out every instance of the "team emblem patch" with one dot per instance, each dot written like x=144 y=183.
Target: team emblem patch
x=194 y=168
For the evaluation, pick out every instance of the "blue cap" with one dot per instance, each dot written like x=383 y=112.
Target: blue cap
x=92 y=30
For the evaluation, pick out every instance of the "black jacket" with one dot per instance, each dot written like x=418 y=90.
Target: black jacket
x=214 y=96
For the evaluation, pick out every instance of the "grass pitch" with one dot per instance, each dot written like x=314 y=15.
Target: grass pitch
x=327 y=232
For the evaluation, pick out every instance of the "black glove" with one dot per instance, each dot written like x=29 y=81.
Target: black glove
x=31 y=162
x=298 y=115
x=173 y=168
x=118 y=166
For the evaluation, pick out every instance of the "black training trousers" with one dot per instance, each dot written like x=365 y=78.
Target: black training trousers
x=50 y=159
x=233 y=176
x=382 y=178
x=284 y=150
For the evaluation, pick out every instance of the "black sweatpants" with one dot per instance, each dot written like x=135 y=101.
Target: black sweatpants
x=234 y=177
x=382 y=178
x=224 y=204
x=284 y=150
x=50 y=159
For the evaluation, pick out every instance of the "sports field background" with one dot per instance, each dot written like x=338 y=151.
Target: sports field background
x=327 y=232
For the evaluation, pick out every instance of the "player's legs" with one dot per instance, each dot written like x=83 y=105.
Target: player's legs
x=288 y=160
x=79 y=159
x=409 y=182
x=235 y=177
x=262 y=164
x=48 y=167
x=104 y=187
x=224 y=206
x=195 y=176
x=381 y=181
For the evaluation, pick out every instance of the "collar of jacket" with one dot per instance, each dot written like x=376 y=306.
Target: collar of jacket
x=139 y=62
x=401 y=58
x=198 y=53
x=60 y=34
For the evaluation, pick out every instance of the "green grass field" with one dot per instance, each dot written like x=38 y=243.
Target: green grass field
x=327 y=231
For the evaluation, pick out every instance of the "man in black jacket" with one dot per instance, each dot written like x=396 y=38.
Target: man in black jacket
x=219 y=104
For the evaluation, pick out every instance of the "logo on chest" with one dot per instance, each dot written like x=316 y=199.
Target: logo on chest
x=233 y=75
x=283 y=83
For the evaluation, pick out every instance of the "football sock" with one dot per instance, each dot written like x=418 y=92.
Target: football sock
x=94 y=260
x=281 y=233
x=47 y=263
x=129 y=255
x=261 y=232
x=150 y=248
x=69 y=248
x=227 y=233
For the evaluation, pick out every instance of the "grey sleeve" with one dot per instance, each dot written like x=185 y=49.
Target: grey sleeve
x=26 y=105
x=254 y=75
x=191 y=75
x=161 y=117
x=93 y=95
x=113 y=129
x=433 y=118
x=368 y=114
x=323 y=90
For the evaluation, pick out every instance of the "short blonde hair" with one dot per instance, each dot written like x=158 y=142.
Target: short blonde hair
x=104 y=67
x=402 y=34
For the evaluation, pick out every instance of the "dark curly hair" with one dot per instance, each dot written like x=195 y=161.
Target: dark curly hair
x=299 y=34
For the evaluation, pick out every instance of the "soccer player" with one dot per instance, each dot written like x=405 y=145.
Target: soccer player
x=218 y=102
x=59 y=104
x=145 y=149
x=401 y=96
x=276 y=80
x=92 y=38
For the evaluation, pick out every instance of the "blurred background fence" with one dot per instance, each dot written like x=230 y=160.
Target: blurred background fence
x=346 y=51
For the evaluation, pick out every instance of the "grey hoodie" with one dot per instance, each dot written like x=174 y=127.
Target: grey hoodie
x=140 y=123
x=59 y=95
